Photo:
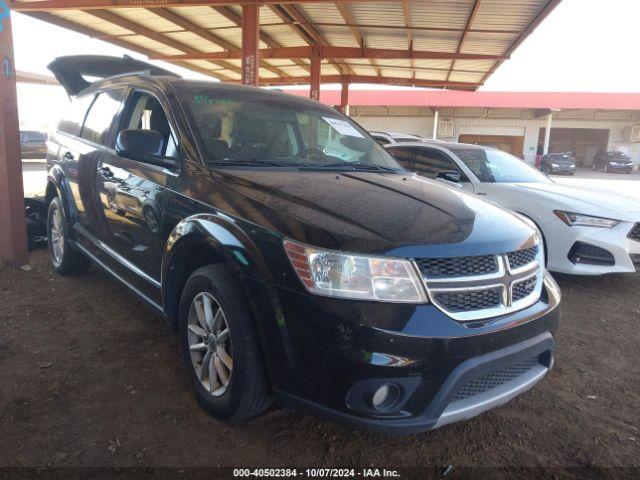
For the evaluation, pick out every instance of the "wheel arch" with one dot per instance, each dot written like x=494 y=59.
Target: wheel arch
x=57 y=186
x=201 y=240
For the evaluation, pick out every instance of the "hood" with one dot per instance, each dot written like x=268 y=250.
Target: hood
x=586 y=198
x=403 y=215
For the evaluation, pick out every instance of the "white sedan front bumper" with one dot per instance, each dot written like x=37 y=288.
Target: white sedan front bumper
x=561 y=238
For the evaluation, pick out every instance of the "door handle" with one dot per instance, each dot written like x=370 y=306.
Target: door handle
x=481 y=193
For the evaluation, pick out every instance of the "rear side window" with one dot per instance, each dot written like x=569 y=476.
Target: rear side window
x=72 y=121
x=430 y=162
x=404 y=156
x=98 y=123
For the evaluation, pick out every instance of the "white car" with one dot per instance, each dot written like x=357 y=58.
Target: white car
x=587 y=230
x=384 y=138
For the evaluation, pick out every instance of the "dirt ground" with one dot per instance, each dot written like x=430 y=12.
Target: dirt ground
x=91 y=377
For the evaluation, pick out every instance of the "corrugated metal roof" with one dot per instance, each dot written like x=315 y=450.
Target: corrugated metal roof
x=502 y=100
x=193 y=28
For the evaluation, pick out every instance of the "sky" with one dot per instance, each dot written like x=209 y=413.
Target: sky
x=584 y=45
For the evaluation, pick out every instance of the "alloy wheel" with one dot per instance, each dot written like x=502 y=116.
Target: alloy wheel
x=210 y=345
x=57 y=236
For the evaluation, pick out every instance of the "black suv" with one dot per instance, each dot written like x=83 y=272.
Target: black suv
x=612 y=162
x=295 y=258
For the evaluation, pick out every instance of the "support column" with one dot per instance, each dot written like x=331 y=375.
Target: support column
x=314 y=93
x=436 y=121
x=344 y=98
x=13 y=229
x=547 y=134
x=250 y=44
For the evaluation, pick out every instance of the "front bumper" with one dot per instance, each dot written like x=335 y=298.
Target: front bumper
x=566 y=170
x=339 y=352
x=561 y=239
x=620 y=168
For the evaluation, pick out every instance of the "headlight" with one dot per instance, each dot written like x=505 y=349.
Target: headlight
x=336 y=274
x=555 y=165
x=578 y=220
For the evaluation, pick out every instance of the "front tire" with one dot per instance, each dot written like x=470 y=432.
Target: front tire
x=219 y=347
x=65 y=260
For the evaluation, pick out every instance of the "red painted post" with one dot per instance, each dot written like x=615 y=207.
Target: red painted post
x=13 y=230
x=251 y=44
x=344 y=97
x=314 y=93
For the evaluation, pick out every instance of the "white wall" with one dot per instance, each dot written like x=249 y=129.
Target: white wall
x=500 y=122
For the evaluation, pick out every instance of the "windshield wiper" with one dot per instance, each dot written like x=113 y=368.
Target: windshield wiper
x=359 y=166
x=248 y=163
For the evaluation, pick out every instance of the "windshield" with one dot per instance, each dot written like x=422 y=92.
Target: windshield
x=239 y=127
x=496 y=166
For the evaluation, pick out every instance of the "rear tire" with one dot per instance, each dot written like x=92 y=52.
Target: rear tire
x=234 y=388
x=64 y=258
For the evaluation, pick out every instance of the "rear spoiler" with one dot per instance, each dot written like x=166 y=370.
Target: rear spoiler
x=71 y=71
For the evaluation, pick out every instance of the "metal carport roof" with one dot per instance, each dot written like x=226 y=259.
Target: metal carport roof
x=432 y=43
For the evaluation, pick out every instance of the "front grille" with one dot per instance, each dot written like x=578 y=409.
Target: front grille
x=634 y=234
x=457 y=266
x=522 y=257
x=471 y=300
x=523 y=289
x=473 y=288
x=495 y=379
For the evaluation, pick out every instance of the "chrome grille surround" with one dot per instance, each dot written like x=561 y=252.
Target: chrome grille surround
x=519 y=287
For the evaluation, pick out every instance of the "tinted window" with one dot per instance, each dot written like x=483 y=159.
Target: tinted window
x=404 y=156
x=430 y=162
x=98 y=123
x=72 y=121
x=496 y=166
x=144 y=112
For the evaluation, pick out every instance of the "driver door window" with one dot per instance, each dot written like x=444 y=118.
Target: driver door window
x=146 y=113
x=429 y=163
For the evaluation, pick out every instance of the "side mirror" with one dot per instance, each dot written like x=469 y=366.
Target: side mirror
x=449 y=175
x=143 y=146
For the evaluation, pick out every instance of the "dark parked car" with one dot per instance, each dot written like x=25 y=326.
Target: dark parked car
x=33 y=144
x=340 y=284
x=558 y=163
x=612 y=162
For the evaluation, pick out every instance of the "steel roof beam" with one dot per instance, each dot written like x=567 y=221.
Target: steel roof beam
x=232 y=16
x=467 y=27
x=350 y=20
x=369 y=79
x=47 y=5
x=92 y=33
x=122 y=22
x=206 y=35
x=335 y=52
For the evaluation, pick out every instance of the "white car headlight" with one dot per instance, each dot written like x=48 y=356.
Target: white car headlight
x=555 y=165
x=578 y=220
x=335 y=274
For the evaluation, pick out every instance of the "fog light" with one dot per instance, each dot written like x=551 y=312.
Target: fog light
x=380 y=396
x=385 y=397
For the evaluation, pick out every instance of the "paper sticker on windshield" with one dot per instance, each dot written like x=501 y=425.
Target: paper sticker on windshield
x=343 y=127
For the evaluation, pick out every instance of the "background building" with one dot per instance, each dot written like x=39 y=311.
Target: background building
x=584 y=123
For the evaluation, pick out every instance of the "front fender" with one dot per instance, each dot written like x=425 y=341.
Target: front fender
x=58 y=179
x=228 y=240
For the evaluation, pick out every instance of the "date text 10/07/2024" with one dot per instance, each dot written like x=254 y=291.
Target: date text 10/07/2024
x=315 y=473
